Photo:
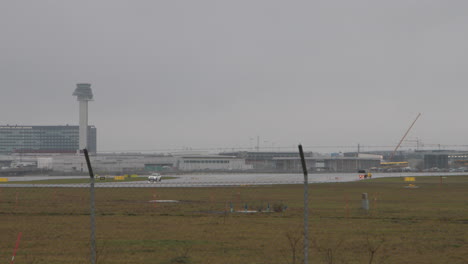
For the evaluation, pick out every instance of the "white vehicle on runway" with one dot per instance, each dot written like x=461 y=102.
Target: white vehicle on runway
x=154 y=177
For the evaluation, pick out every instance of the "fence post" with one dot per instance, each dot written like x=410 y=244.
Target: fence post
x=306 y=207
x=92 y=213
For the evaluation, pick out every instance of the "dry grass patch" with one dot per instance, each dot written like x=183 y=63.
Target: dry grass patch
x=424 y=225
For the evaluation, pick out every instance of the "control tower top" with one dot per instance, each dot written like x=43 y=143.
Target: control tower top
x=83 y=92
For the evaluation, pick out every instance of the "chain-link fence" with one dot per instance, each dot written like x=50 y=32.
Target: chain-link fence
x=239 y=224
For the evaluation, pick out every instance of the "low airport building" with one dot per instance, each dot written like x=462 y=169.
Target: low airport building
x=106 y=163
x=130 y=163
x=264 y=160
x=212 y=163
x=326 y=164
x=137 y=163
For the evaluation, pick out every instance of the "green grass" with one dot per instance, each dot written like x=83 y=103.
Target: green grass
x=424 y=225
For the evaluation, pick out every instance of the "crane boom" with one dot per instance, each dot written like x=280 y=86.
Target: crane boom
x=404 y=136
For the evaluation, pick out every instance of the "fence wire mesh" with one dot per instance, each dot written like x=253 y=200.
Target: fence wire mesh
x=239 y=224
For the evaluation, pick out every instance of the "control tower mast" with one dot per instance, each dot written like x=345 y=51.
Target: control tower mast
x=83 y=94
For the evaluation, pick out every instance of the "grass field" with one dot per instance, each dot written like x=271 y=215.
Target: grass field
x=428 y=224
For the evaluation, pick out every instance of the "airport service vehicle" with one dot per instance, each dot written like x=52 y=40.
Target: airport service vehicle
x=154 y=177
x=364 y=175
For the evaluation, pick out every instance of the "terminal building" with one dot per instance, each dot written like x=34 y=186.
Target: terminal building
x=43 y=139
x=323 y=164
x=264 y=161
x=142 y=163
x=291 y=162
x=211 y=163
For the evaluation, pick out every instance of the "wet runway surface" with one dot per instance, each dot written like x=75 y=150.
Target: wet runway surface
x=214 y=180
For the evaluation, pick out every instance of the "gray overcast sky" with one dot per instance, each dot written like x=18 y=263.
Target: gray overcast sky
x=212 y=74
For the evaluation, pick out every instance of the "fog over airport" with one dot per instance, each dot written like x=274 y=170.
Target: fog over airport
x=218 y=75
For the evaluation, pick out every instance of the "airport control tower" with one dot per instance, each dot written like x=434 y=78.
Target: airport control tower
x=83 y=94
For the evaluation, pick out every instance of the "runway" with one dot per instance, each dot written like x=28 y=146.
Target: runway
x=214 y=180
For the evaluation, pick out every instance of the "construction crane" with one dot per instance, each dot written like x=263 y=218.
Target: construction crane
x=403 y=138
